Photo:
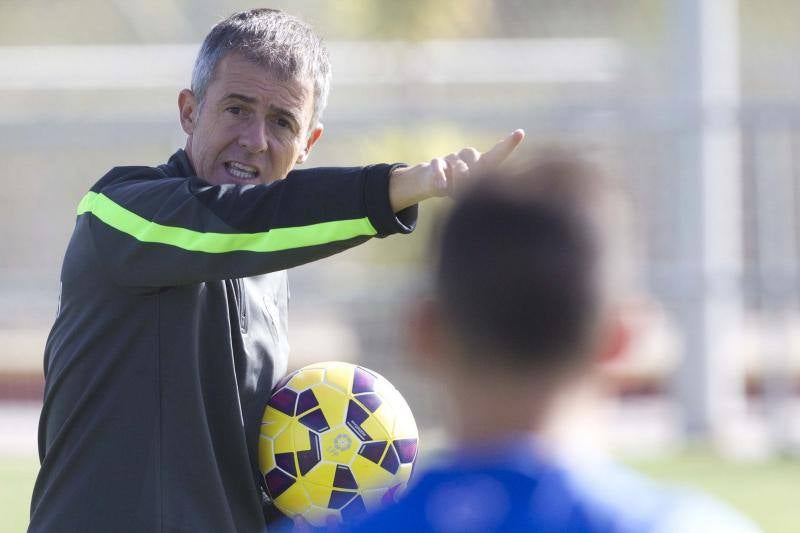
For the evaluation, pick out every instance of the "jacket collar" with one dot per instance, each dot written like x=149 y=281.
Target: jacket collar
x=179 y=165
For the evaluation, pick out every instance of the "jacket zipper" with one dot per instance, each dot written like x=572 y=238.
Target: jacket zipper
x=241 y=303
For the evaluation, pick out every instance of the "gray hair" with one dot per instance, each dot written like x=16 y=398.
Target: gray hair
x=281 y=43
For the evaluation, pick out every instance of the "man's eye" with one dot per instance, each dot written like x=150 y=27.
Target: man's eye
x=283 y=123
x=234 y=110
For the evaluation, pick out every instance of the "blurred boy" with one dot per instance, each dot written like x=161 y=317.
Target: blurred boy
x=521 y=309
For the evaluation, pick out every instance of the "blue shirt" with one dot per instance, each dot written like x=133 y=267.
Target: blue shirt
x=513 y=487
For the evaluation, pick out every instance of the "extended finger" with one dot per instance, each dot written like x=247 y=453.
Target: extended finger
x=501 y=150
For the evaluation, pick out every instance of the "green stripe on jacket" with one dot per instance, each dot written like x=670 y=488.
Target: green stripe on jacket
x=274 y=240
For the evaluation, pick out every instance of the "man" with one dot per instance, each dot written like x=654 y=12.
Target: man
x=521 y=309
x=171 y=329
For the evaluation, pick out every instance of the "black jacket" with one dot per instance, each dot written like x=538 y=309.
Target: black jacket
x=170 y=334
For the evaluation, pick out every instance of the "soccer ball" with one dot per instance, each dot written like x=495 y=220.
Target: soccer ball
x=337 y=440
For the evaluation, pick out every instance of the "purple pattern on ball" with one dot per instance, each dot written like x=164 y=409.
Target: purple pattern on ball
x=355 y=416
x=286 y=462
x=339 y=499
x=406 y=449
x=363 y=381
x=308 y=459
x=277 y=482
x=284 y=401
x=315 y=420
x=343 y=478
x=356 y=413
x=370 y=400
x=306 y=401
x=390 y=496
x=391 y=463
x=354 y=509
x=372 y=450
x=284 y=380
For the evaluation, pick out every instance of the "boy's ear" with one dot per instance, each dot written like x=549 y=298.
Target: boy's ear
x=425 y=335
x=614 y=339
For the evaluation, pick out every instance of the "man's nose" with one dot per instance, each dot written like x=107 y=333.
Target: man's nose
x=253 y=137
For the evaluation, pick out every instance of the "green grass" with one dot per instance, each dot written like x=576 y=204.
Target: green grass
x=17 y=475
x=765 y=491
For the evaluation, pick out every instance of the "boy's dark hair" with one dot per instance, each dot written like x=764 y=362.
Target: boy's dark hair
x=518 y=272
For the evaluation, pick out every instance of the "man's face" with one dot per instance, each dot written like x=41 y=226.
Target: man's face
x=252 y=127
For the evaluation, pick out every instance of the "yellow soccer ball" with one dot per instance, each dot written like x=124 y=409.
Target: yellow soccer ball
x=337 y=440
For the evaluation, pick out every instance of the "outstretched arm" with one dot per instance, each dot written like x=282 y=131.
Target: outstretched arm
x=156 y=231
x=152 y=230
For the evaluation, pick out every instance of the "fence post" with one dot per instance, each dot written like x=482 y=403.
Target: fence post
x=707 y=211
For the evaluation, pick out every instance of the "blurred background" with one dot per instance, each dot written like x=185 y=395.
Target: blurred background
x=689 y=104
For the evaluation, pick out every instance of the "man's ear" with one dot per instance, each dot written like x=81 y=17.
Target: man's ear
x=316 y=133
x=187 y=106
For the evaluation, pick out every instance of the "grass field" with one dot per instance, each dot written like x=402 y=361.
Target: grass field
x=767 y=492
x=16 y=484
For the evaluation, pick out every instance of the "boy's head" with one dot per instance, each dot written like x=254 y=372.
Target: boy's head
x=520 y=285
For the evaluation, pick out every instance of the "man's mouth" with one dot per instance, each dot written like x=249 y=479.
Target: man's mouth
x=241 y=171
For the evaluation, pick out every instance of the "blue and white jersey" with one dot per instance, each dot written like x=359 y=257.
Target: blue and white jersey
x=517 y=487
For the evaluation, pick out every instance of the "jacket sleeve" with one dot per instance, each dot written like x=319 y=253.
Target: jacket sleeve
x=164 y=231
